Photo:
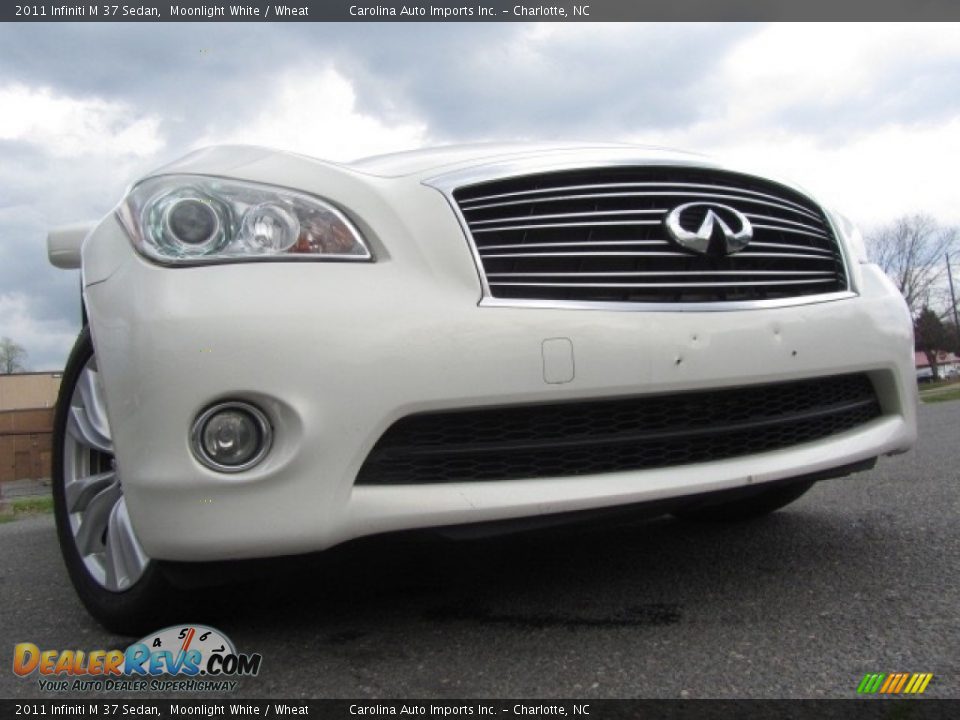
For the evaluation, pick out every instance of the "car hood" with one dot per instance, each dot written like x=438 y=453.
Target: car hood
x=228 y=159
x=443 y=167
x=458 y=157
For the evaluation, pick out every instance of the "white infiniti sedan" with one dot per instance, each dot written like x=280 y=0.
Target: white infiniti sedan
x=281 y=354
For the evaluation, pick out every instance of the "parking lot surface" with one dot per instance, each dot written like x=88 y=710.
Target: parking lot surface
x=860 y=575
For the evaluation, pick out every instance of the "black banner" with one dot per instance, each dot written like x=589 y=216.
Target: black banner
x=477 y=11
x=877 y=709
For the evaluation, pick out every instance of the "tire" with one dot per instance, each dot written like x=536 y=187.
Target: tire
x=758 y=505
x=124 y=589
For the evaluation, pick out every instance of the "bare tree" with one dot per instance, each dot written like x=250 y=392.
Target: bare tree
x=12 y=357
x=911 y=251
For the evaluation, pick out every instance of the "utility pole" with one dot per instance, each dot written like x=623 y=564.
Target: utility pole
x=953 y=299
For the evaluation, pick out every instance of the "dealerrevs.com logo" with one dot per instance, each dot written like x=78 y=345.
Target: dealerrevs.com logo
x=181 y=658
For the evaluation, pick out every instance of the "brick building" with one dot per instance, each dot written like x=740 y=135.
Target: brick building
x=26 y=424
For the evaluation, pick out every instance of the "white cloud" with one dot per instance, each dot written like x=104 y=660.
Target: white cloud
x=866 y=117
x=784 y=89
x=46 y=341
x=71 y=127
x=873 y=178
x=315 y=113
x=819 y=63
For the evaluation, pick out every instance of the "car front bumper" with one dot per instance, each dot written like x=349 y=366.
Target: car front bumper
x=335 y=353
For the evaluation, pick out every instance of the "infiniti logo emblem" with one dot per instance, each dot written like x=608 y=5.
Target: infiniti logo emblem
x=734 y=228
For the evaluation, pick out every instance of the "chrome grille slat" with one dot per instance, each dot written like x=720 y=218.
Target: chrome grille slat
x=599 y=235
x=661 y=285
x=604 y=253
x=595 y=213
x=511 y=246
x=601 y=253
x=672 y=273
x=661 y=243
x=796 y=256
x=549 y=226
x=603 y=196
x=467 y=205
x=767 y=218
x=795 y=231
x=788 y=246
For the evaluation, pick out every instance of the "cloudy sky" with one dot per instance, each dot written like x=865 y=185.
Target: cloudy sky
x=868 y=117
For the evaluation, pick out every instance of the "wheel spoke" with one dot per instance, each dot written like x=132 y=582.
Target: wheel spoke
x=83 y=431
x=125 y=559
x=91 y=393
x=82 y=490
x=90 y=535
x=93 y=494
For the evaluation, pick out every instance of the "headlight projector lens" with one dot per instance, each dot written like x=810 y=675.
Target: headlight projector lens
x=231 y=437
x=193 y=222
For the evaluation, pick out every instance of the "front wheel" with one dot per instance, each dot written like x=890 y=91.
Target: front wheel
x=120 y=585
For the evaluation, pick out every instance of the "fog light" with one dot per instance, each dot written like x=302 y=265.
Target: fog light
x=231 y=436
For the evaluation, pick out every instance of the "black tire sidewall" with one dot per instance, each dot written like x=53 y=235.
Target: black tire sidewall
x=131 y=611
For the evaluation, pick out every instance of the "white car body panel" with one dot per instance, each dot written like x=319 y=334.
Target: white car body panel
x=336 y=352
x=64 y=243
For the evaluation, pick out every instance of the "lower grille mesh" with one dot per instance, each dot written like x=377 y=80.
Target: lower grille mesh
x=580 y=438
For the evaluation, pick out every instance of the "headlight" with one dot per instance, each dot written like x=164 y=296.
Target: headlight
x=852 y=237
x=191 y=219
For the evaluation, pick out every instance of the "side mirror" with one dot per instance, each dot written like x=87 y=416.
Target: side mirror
x=64 y=243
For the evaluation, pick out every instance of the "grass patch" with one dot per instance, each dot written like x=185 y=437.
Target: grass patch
x=927 y=386
x=27 y=507
x=944 y=396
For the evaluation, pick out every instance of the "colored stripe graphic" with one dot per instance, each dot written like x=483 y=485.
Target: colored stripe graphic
x=900 y=683
x=922 y=683
x=894 y=683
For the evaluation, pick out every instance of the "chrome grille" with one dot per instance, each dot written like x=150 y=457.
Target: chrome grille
x=599 y=235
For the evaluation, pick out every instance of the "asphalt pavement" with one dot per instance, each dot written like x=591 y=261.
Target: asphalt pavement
x=860 y=575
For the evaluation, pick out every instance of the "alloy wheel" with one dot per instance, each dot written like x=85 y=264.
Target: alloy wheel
x=93 y=492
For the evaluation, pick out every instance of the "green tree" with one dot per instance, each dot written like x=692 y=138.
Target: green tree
x=953 y=337
x=931 y=337
x=12 y=357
